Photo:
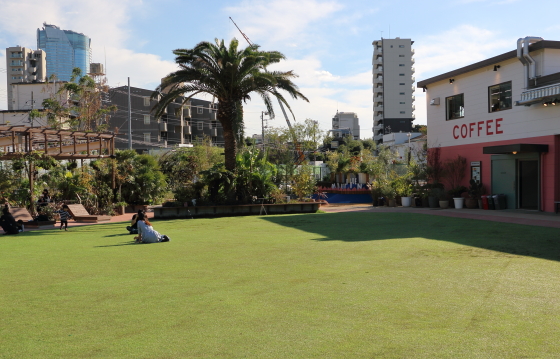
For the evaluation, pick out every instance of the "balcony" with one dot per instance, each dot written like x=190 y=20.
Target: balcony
x=413 y=107
x=413 y=78
x=214 y=132
x=412 y=51
x=213 y=116
x=163 y=126
x=378 y=117
x=378 y=137
x=378 y=61
x=412 y=60
x=378 y=127
x=413 y=98
x=378 y=80
x=187 y=130
x=378 y=108
x=187 y=112
x=538 y=95
x=413 y=69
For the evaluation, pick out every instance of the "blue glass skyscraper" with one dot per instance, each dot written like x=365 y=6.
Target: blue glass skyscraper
x=65 y=50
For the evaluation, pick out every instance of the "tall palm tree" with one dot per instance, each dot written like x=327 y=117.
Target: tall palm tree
x=230 y=75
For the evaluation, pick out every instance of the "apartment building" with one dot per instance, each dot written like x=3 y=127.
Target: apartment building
x=393 y=87
x=23 y=65
x=345 y=124
x=181 y=125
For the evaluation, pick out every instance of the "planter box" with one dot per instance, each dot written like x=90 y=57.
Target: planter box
x=236 y=210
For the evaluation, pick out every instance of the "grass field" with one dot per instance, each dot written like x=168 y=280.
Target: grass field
x=346 y=285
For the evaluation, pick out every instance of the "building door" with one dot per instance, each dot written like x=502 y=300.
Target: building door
x=504 y=177
x=529 y=184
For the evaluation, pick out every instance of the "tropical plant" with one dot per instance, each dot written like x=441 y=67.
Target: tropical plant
x=231 y=76
x=148 y=185
x=304 y=182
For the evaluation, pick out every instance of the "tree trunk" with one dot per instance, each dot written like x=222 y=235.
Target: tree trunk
x=226 y=114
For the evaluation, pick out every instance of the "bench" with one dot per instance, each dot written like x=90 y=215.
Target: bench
x=21 y=213
x=80 y=214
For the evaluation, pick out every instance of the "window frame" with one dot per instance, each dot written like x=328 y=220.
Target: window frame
x=200 y=126
x=447 y=117
x=510 y=97
x=147 y=119
x=149 y=137
x=199 y=110
x=146 y=101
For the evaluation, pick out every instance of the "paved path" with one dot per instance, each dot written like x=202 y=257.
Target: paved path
x=533 y=218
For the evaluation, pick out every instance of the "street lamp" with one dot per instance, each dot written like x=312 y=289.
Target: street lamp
x=263 y=113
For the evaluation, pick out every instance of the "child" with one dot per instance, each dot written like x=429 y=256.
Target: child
x=20 y=226
x=64 y=216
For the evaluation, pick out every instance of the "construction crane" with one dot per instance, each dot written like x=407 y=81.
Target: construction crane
x=300 y=154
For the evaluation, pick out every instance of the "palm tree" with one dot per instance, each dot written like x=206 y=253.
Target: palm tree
x=230 y=75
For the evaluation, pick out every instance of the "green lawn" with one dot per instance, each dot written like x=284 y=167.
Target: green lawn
x=347 y=285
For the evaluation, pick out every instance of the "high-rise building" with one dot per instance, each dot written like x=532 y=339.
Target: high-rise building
x=393 y=86
x=23 y=65
x=346 y=124
x=66 y=49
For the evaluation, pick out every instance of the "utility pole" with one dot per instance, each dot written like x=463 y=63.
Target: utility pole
x=129 y=119
x=32 y=117
x=262 y=122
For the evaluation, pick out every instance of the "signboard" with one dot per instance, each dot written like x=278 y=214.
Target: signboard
x=475 y=171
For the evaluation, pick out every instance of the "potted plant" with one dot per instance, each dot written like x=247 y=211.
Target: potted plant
x=475 y=191
x=443 y=200
x=120 y=207
x=435 y=191
x=456 y=194
x=404 y=189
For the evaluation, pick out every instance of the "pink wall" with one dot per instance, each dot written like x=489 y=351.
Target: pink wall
x=550 y=164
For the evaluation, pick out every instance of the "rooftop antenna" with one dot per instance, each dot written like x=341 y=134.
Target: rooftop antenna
x=381 y=35
x=105 y=52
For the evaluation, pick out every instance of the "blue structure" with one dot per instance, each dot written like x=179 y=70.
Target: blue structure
x=65 y=50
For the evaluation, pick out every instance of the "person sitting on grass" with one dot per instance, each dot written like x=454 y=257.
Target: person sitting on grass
x=147 y=233
x=64 y=216
x=8 y=222
x=133 y=228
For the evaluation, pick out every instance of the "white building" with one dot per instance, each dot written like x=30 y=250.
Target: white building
x=346 y=123
x=503 y=115
x=393 y=86
x=24 y=65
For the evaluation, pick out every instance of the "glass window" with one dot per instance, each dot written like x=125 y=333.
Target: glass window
x=402 y=112
x=200 y=126
x=199 y=110
x=147 y=137
x=146 y=101
x=401 y=46
x=499 y=97
x=401 y=93
x=214 y=124
x=401 y=55
x=401 y=74
x=402 y=83
x=402 y=65
x=146 y=119
x=455 y=107
x=402 y=103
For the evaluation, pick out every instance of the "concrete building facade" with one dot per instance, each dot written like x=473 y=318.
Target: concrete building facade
x=23 y=65
x=393 y=87
x=182 y=125
x=503 y=115
x=346 y=123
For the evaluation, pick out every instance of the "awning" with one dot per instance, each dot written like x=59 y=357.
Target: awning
x=513 y=149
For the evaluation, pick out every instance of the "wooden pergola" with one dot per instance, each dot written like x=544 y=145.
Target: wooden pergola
x=18 y=141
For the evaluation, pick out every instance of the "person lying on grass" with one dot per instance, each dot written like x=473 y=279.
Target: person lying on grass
x=147 y=233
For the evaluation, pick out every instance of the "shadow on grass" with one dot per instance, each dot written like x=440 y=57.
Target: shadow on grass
x=119 y=244
x=516 y=239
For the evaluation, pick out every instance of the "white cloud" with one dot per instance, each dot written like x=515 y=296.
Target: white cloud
x=280 y=20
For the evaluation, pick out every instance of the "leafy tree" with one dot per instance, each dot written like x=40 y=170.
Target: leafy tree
x=230 y=75
x=148 y=185
x=78 y=104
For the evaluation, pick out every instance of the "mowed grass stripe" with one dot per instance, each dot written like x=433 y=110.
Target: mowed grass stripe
x=325 y=285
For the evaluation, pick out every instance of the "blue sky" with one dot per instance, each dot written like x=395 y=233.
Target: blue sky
x=327 y=43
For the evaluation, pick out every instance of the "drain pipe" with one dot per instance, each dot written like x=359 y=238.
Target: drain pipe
x=532 y=63
x=523 y=61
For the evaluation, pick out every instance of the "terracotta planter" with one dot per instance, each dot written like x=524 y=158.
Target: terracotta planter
x=471 y=203
x=444 y=204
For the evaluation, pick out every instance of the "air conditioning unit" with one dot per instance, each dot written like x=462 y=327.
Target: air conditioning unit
x=435 y=101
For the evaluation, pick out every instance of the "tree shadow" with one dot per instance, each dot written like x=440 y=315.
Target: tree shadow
x=514 y=239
